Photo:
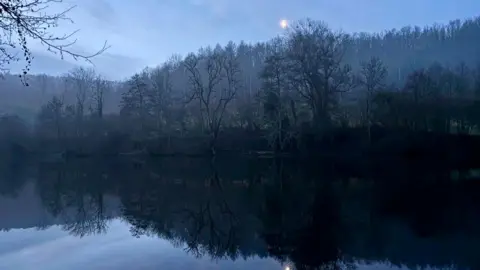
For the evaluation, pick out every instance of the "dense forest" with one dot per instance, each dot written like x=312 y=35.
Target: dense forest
x=310 y=87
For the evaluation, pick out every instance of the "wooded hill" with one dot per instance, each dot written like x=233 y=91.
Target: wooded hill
x=311 y=80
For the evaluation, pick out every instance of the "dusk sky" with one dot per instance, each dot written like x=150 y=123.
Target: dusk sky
x=148 y=33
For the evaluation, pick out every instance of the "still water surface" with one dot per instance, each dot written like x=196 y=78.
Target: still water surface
x=242 y=214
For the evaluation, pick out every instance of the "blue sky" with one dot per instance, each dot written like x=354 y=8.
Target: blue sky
x=146 y=32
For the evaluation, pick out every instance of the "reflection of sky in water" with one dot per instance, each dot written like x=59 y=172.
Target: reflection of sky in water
x=54 y=249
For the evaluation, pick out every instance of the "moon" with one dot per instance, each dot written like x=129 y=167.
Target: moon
x=283 y=23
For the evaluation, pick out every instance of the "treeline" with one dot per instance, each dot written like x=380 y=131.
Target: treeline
x=310 y=80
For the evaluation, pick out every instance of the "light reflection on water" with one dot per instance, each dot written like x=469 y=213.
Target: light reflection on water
x=55 y=249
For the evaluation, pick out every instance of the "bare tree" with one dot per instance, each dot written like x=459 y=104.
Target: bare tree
x=218 y=89
x=134 y=104
x=419 y=86
x=276 y=97
x=99 y=89
x=51 y=116
x=24 y=20
x=82 y=81
x=317 y=72
x=209 y=62
x=159 y=94
x=372 y=78
x=43 y=80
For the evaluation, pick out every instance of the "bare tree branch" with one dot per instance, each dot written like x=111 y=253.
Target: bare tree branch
x=23 y=19
x=221 y=72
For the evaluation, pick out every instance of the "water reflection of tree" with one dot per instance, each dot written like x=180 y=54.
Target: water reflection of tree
x=302 y=222
x=195 y=212
x=74 y=195
x=13 y=176
x=87 y=218
x=439 y=214
x=304 y=217
x=429 y=202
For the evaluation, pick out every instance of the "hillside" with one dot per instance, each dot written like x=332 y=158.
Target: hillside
x=401 y=50
x=312 y=79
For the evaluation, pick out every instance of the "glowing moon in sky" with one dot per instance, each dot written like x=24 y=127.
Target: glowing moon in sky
x=283 y=24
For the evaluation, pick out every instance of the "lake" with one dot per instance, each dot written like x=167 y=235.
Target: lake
x=179 y=213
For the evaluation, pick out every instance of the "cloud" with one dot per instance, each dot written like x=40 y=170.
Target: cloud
x=53 y=249
x=102 y=10
x=118 y=66
x=216 y=7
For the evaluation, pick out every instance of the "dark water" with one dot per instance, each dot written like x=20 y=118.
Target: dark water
x=235 y=214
